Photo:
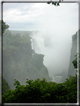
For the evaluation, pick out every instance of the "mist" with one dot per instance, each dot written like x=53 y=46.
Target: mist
x=56 y=49
x=54 y=39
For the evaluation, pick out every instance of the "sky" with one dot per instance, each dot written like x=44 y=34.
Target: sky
x=30 y=16
x=56 y=24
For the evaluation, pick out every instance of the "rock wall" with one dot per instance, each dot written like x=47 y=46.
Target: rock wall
x=20 y=62
x=72 y=70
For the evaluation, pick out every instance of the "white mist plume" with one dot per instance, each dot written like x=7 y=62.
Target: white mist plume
x=54 y=37
x=56 y=49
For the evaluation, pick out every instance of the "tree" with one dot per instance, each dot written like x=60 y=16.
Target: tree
x=75 y=61
x=3 y=25
x=41 y=91
x=54 y=3
x=5 y=86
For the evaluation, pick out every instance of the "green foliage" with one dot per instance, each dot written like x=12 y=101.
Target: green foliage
x=5 y=86
x=29 y=81
x=71 y=86
x=75 y=60
x=17 y=83
x=54 y=3
x=41 y=91
x=4 y=26
x=49 y=2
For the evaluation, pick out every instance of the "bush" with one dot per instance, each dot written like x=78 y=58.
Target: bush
x=41 y=91
x=5 y=86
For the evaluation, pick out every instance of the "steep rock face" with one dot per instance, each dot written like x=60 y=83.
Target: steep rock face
x=20 y=62
x=71 y=70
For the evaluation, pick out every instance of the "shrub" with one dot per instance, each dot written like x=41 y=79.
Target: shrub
x=41 y=91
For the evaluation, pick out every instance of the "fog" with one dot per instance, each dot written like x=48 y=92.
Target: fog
x=54 y=38
x=56 y=48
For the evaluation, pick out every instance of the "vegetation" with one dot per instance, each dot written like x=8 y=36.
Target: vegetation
x=5 y=86
x=55 y=3
x=41 y=91
x=4 y=26
x=75 y=63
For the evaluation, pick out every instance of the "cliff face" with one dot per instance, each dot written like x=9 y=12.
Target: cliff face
x=20 y=62
x=71 y=70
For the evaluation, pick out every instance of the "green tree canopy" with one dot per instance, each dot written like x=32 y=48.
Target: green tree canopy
x=5 y=86
x=41 y=91
x=55 y=3
x=3 y=25
x=75 y=60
